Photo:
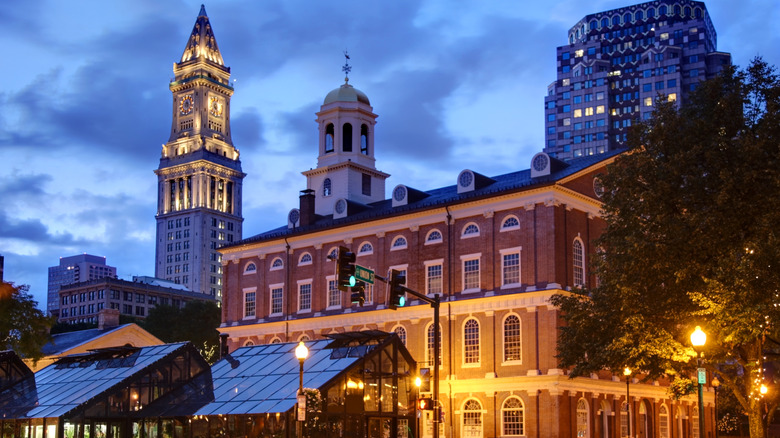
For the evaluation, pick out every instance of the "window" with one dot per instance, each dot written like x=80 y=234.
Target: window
x=471 y=342
x=433 y=278
x=366 y=249
x=305 y=259
x=364 y=139
x=510 y=223
x=648 y=101
x=326 y=187
x=429 y=350
x=334 y=295
x=510 y=267
x=346 y=137
x=398 y=243
x=577 y=113
x=249 y=303
x=695 y=421
x=512 y=340
x=663 y=422
x=512 y=417
x=470 y=274
x=434 y=236
x=472 y=419
x=624 y=419
x=401 y=332
x=277 y=264
x=329 y=131
x=579 y=263
x=470 y=230
x=250 y=268
x=366 y=186
x=276 y=300
x=304 y=297
x=582 y=418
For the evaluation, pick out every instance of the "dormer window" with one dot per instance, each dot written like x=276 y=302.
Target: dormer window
x=346 y=137
x=329 y=131
x=364 y=139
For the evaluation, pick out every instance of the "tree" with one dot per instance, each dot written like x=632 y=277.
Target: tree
x=196 y=322
x=692 y=212
x=23 y=327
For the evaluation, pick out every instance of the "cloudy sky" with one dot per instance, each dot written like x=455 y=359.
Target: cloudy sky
x=85 y=105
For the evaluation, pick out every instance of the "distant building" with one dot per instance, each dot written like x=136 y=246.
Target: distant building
x=199 y=177
x=75 y=269
x=617 y=63
x=82 y=302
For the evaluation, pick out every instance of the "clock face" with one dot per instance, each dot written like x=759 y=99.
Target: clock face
x=540 y=162
x=215 y=107
x=186 y=104
x=465 y=179
x=399 y=193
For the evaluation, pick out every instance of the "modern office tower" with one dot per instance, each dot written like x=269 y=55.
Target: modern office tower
x=199 y=177
x=74 y=269
x=617 y=63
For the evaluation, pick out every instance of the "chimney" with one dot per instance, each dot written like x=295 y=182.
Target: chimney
x=108 y=318
x=307 y=207
x=223 y=345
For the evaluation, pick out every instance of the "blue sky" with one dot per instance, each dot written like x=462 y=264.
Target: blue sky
x=85 y=105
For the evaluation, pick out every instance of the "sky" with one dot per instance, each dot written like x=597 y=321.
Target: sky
x=85 y=104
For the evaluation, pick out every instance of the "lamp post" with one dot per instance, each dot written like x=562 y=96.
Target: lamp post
x=627 y=373
x=698 y=339
x=715 y=384
x=301 y=352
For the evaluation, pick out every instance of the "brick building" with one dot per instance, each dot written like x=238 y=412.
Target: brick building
x=494 y=248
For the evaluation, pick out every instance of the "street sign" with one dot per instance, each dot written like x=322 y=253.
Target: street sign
x=301 y=407
x=702 y=376
x=364 y=274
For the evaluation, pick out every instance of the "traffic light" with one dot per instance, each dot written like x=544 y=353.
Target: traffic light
x=425 y=404
x=345 y=268
x=397 y=292
x=359 y=293
x=425 y=380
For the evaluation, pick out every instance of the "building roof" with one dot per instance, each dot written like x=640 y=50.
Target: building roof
x=501 y=184
x=17 y=385
x=264 y=378
x=76 y=380
x=202 y=42
x=62 y=342
x=346 y=93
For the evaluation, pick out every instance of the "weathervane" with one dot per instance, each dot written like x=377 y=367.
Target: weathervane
x=346 y=68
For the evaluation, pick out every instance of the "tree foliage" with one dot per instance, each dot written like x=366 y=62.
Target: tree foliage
x=692 y=212
x=196 y=322
x=23 y=327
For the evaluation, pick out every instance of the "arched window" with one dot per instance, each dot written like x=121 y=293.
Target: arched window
x=398 y=243
x=471 y=342
x=579 y=263
x=433 y=236
x=472 y=419
x=687 y=12
x=327 y=188
x=651 y=13
x=329 y=132
x=346 y=137
x=277 y=264
x=510 y=223
x=627 y=18
x=401 y=332
x=429 y=350
x=276 y=340
x=305 y=259
x=333 y=254
x=304 y=338
x=677 y=10
x=250 y=268
x=695 y=421
x=606 y=418
x=624 y=419
x=616 y=20
x=512 y=340
x=662 y=10
x=248 y=343
x=365 y=249
x=640 y=15
x=594 y=25
x=512 y=418
x=605 y=22
x=364 y=139
x=583 y=429
x=697 y=12
x=470 y=230
x=663 y=422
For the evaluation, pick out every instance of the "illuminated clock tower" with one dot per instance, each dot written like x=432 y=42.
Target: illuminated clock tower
x=199 y=177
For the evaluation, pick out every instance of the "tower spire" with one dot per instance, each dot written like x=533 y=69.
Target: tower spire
x=346 y=68
x=201 y=43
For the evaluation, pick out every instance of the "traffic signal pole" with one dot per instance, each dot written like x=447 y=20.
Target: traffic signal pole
x=434 y=302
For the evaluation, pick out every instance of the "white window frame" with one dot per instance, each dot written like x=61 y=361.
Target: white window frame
x=271 y=288
x=509 y=251
x=302 y=262
x=580 y=416
x=578 y=265
x=481 y=411
x=427 y=263
x=478 y=362
x=273 y=262
x=429 y=241
x=247 y=271
x=466 y=258
x=405 y=332
x=504 y=336
x=249 y=290
x=300 y=284
x=336 y=290
x=365 y=253
x=429 y=345
x=394 y=246
x=464 y=235
x=504 y=227
x=522 y=415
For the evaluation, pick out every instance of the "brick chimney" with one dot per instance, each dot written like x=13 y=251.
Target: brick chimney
x=307 y=207
x=108 y=318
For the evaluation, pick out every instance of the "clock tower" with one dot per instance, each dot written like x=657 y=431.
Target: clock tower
x=199 y=177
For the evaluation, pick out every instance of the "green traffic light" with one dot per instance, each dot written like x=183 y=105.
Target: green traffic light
x=401 y=301
x=352 y=281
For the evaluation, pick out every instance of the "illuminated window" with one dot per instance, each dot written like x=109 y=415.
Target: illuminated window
x=577 y=113
x=579 y=262
x=648 y=101
x=579 y=53
x=401 y=332
x=512 y=339
x=672 y=97
x=600 y=109
x=582 y=419
x=471 y=342
x=430 y=342
x=472 y=419
x=512 y=418
x=589 y=111
x=663 y=422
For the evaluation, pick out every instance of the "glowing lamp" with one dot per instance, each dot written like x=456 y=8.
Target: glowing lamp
x=698 y=337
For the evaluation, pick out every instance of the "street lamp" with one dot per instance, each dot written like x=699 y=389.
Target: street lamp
x=715 y=384
x=698 y=339
x=627 y=373
x=301 y=352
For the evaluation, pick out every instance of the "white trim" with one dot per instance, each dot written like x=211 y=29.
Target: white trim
x=254 y=271
x=463 y=259
x=393 y=246
x=271 y=288
x=311 y=295
x=276 y=268
x=248 y=290
x=328 y=279
x=463 y=234
x=365 y=253
x=512 y=227
x=503 y=340
x=463 y=362
x=303 y=263
x=514 y=250
x=434 y=241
